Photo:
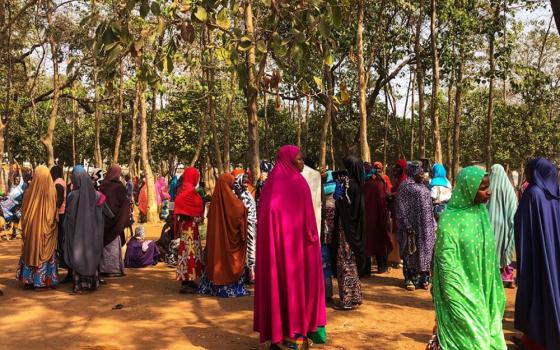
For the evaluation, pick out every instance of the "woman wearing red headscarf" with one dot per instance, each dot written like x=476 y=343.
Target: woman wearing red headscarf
x=189 y=211
x=289 y=288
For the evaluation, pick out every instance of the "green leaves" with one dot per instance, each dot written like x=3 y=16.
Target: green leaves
x=201 y=14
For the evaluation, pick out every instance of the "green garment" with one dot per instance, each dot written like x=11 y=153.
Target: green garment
x=501 y=209
x=468 y=291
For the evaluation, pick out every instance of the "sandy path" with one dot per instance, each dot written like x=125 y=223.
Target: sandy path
x=155 y=316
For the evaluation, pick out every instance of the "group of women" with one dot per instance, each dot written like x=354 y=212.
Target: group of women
x=81 y=229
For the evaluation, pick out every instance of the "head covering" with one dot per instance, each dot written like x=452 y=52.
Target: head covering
x=188 y=201
x=501 y=210
x=118 y=202
x=226 y=244
x=139 y=232
x=83 y=226
x=330 y=184
x=39 y=219
x=537 y=243
x=466 y=271
x=355 y=168
x=56 y=172
x=350 y=209
x=401 y=163
x=288 y=255
x=439 y=176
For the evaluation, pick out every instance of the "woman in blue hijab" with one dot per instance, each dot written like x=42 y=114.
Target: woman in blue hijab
x=537 y=244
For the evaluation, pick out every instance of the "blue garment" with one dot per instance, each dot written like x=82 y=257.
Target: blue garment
x=233 y=290
x=439 y=176
x=537 y=244
x=173 y=188
x=330 y=184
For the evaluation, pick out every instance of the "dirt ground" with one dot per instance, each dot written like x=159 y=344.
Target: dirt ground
x=156 y=316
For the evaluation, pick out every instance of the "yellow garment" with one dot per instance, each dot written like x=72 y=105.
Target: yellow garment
x=39 y=219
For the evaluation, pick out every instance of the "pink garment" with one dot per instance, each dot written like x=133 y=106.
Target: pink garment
x=161 y=190
x=289 y=287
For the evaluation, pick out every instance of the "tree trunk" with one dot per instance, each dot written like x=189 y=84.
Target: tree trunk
x=227 y=127
x=458 y=112
x=118 y=136
x=74 y=111
x=327 y=120
x=436 y=137
x=489 y=119
x=152 y=215
x=364 y=146
x=420 y=77
x=98 y=158
x=132 y=159
x=252 y=94
x=48 y=138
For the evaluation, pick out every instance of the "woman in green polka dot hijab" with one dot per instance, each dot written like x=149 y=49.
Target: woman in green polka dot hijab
x=468 y=291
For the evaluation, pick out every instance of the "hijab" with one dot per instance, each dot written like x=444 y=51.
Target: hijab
x=188 y=202
x=83 y=226
x=501 y=210
x=226 y=241
x=350 y=209
x=39 y=219
x=439 y=176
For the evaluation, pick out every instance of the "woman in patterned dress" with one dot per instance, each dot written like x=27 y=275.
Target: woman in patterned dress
x=349 y=239
x=416 y=229
x=226 y=243
x=240 y=186
x=189 y=211
x=38 y=263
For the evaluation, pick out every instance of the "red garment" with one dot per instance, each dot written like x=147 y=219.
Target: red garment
x=188 y=201
x=401 y=163
x=189 y=262
x=377 y=229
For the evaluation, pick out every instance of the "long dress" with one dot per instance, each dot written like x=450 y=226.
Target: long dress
x=226 y=243
x=289 y=288
x=83 y=244
x=350 y=238
x=38 y=264
x=189 y=208
x=416 y=231
x=113 y=238
x=501 y=210
x=537 y=243
x=467 y=289
x=377 y=229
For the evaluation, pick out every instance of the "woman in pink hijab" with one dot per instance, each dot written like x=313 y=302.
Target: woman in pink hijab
x=289 y=288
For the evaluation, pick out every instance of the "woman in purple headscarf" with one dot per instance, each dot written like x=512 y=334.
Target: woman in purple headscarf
x=289 y=289
x=416 y=228
x=537 y=244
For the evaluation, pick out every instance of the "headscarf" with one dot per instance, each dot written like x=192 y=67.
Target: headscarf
x=350 y=210
x=139 y=232
x=537 y=244
x=83 y=226
x=118 y=202
x=330 y=184
x=39 y=219
x=226 y=240
x=188 y=202
x=439 y=176
x=468 y=292
x=501 y=210
x=401 y=163
x=288 y=255
x=56 y=172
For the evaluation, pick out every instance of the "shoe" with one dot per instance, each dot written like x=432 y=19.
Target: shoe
x=410 y=286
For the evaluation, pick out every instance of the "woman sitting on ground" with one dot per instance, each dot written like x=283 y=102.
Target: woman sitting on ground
x=139 y=252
